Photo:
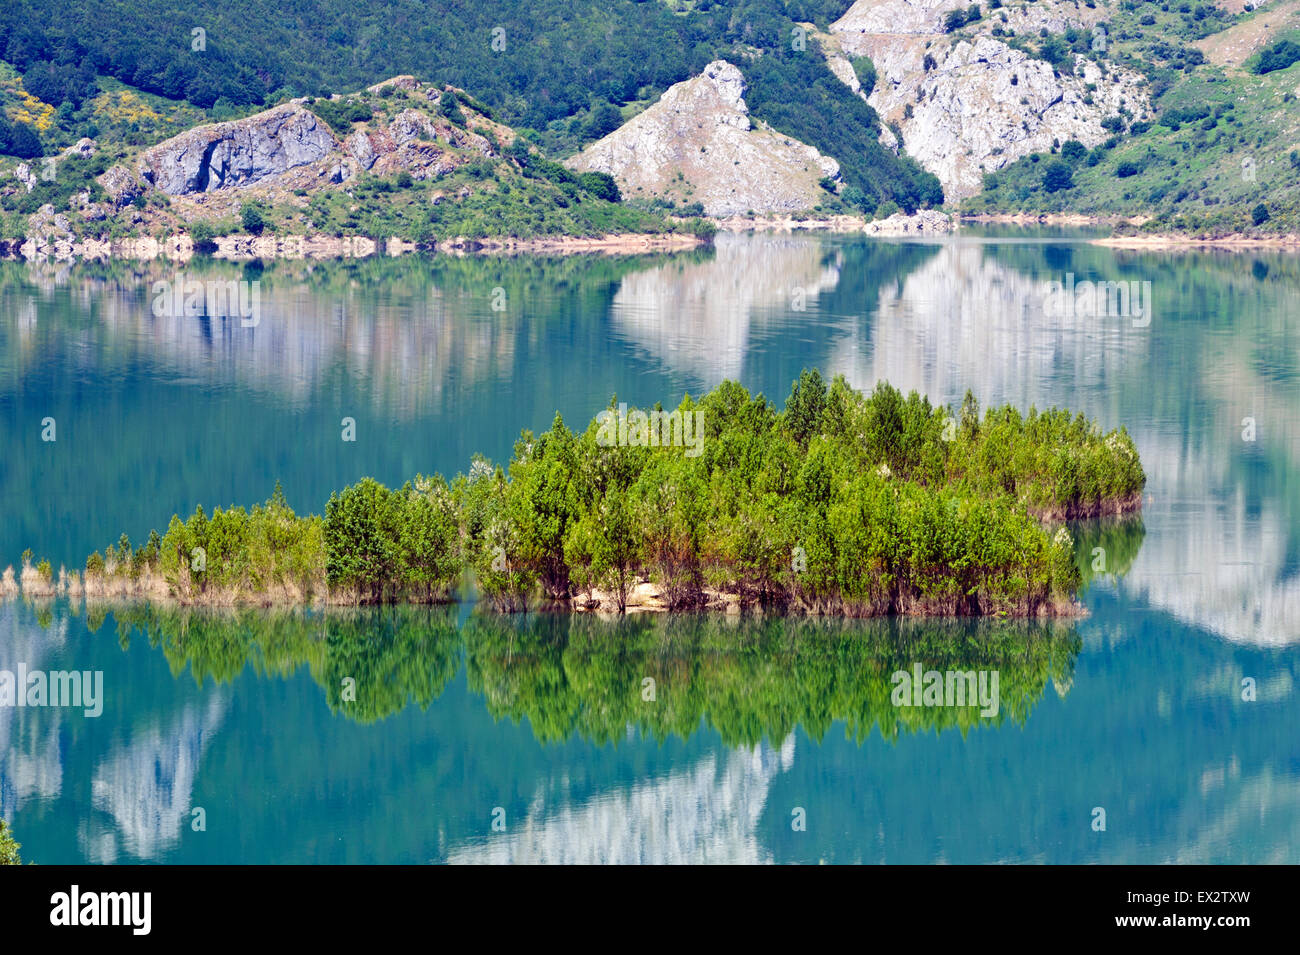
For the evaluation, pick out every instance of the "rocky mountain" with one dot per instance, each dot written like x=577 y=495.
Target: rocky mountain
x=970 y=102
x=237 y=153
x=401 y=164
x=698 y=143
x=291 y=147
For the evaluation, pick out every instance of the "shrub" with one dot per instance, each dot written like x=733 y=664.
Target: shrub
x=252 y=218
x=343 y=114
x=1278 y=56
x=866 y=73
x=1057 y=176
x=8 y=847
x=201 y=234
x=1072 y=151
x=24 y=143
x=601 y=185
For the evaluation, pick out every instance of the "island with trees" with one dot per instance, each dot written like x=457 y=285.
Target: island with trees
x=840 y=503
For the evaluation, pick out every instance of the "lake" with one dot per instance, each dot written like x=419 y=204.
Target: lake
x=223 y=738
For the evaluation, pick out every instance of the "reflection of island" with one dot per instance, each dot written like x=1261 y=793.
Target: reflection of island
x=585 y=676
x=705 y=814
x=370 y=663
x=752 y=679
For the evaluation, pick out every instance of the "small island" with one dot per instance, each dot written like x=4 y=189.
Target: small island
x=839 y=503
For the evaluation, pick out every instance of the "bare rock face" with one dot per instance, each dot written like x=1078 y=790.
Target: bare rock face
x=23 y=173
x=976 y=104
x=83 y=148
x=237 y=153
x=121 y=184
x=416 y=142
x=924 y=222
x=698 y=144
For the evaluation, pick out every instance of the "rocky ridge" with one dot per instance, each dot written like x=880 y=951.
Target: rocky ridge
x=699 y=144
x=290 y=148
x=976 y=103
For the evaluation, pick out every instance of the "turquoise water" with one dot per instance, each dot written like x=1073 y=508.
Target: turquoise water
x=540 y=723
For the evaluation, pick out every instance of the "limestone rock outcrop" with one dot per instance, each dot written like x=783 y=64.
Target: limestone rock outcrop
x=970 y=103
x=699 y=144
x=237 y=153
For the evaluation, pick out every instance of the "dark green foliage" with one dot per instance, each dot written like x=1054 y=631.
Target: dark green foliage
x=341 y=114
x=866 y=73
x=1259 y=215
x=8 y=847
x=1278 y=56
x=1057 y=176
x=604 y=119
x=449 y=104
x=252 y=217
x=1072 y=151
x=60 y=54
x=956 y=19
x=202 y=234
x=840 y=503
x=601 y=185
x=22 y=142
x=387 y=545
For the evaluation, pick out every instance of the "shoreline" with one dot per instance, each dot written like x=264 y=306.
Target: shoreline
x=1236 y=241
x=1091 y=511
x=318 y=246
x=645 y=598
x=180 y=247
x=1048 y=218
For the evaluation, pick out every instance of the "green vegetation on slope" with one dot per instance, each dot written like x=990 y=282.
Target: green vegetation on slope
x=566 y=73
x=1219 y=156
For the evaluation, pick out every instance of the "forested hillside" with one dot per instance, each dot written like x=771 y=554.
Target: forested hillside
x=570 y=70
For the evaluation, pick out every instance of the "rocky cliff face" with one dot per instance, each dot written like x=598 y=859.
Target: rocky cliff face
x=289 y=147
x=237 y=153
x=698 y=144
x=976 y=103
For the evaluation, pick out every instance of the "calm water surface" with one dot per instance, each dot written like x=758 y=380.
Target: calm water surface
x=540 y=721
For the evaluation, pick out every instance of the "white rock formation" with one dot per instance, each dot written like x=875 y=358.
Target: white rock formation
x=981 y=104
x=698 y=144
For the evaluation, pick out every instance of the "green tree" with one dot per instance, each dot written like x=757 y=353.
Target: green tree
x=252 y=217
x=1058 y=176
x=8 y=847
